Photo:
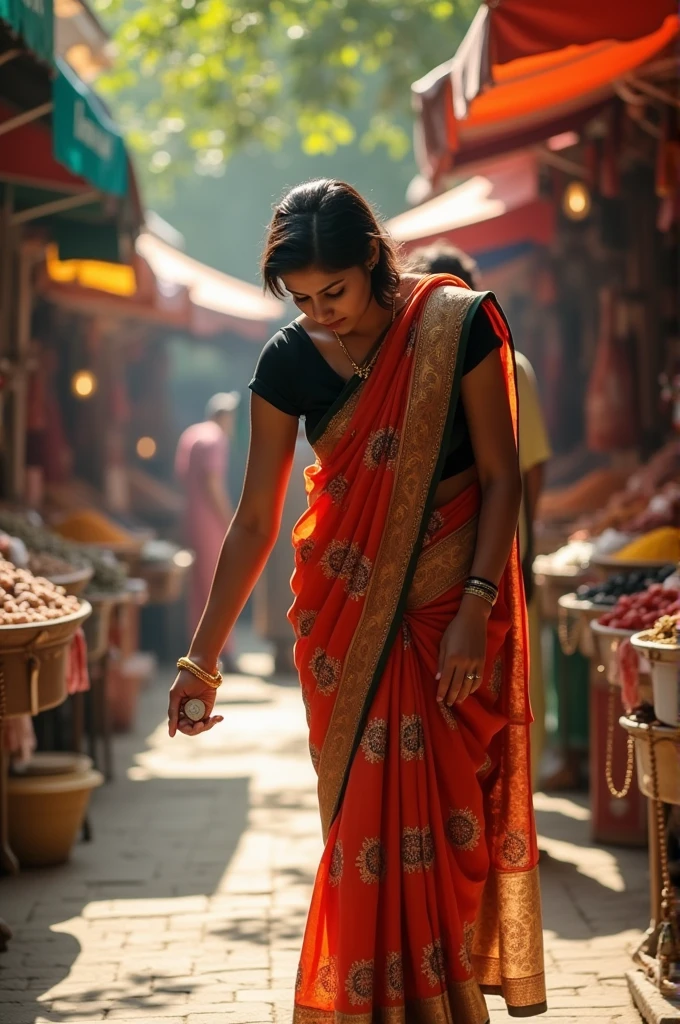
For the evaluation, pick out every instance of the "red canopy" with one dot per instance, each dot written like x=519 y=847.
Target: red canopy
x=522 y=28
x=511 y=30
x=531 y=98
x=499 y=206
x=26 y=158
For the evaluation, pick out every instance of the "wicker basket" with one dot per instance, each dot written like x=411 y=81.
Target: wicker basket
x=573 y=624
x=552 y=586
x=667 y=746
x=98 y=626
x=34 y=661
x=606 y=566
x=73 y=582
x=165 y=581
x=607 y=640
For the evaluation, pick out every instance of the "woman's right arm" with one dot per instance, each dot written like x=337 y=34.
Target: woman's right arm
x=247 y=545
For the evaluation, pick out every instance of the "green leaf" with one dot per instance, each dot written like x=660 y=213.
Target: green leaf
x=201 y=79
x=442 y=10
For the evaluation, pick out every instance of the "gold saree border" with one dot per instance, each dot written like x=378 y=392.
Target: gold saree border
x=443 y=565
x=462 y=1001
x=507 y=955
x=324 y=446
x=425 y=420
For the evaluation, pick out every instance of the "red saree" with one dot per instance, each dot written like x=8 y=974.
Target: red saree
x=427 y=893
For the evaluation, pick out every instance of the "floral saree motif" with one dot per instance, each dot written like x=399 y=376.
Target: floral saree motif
x=427 y=894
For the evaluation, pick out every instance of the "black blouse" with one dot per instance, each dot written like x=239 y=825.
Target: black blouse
x=293 y=376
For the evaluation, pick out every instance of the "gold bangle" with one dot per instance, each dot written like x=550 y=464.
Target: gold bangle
x=477 y=581
x=200 y=673
x=473 y=591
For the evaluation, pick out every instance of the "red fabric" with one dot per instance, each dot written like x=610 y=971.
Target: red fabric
x=499 y=206
x=435 y=796
x=521 y=28
x=532 y=223
x=77 y=676
x=530 y=98
x=610 y=397
x=26 y=155
x=629 y=670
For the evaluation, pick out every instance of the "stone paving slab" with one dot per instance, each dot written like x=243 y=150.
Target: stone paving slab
x=188 y=906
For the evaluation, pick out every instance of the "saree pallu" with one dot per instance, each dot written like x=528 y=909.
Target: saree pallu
x=427 y=894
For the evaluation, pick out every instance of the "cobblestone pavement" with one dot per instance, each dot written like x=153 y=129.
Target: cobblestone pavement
x=189 y=904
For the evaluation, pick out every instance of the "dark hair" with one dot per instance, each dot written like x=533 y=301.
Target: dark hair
x=442 y=258
x=327 y=224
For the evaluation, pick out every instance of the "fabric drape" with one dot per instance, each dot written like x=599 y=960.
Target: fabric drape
x=427 y=893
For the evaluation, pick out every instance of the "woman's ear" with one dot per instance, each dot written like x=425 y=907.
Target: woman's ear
x=374 y=257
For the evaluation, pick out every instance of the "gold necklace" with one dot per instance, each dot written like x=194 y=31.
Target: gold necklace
x=364 y=370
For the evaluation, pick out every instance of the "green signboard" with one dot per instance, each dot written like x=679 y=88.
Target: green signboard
x=84 y=138
x=33 y=20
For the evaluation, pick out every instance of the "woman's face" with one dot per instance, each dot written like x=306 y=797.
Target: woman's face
x=336 y=300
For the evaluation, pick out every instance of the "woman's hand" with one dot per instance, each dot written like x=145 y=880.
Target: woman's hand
x=462 y=652
x=185 y=687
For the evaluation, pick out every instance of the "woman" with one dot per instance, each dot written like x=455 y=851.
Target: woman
x=409 y=617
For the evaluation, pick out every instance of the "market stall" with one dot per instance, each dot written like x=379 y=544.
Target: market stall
x=625 y=621
x=41 y=663
x=109 y=354
x=537 y=112
x=64 y=178
x=65 y=182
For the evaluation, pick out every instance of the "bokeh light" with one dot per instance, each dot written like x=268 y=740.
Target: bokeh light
x=577 y=202
x=83 y=384
x=146 y=447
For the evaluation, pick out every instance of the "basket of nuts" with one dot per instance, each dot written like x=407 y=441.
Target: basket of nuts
x=38 y=621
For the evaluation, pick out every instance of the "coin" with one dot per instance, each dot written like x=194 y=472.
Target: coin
x=195 y=710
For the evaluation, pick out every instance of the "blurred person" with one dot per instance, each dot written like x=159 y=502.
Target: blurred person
x=409 y=617
x=443 y=258
x=272 y=596
x=534 y=453
x=201 y=470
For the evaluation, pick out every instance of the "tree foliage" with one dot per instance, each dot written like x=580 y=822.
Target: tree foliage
x=200 y=79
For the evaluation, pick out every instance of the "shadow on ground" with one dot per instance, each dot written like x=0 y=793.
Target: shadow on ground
x=589 y=890
x=154 y=839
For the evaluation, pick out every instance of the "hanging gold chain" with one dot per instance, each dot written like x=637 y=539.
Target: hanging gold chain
x=619 y=794
x=364 y=370
x=569 y=640
x=667 y=941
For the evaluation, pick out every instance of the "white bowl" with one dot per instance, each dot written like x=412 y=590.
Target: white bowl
x=664 y=660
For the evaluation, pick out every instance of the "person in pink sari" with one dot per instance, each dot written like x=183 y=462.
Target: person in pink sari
x=201 y=468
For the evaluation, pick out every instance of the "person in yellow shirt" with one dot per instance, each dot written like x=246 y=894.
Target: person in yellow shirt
x=534 y=452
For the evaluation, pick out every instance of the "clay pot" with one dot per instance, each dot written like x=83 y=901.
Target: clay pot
x=46 y=811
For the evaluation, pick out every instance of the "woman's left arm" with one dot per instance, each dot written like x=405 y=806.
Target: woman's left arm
x=487 y=410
